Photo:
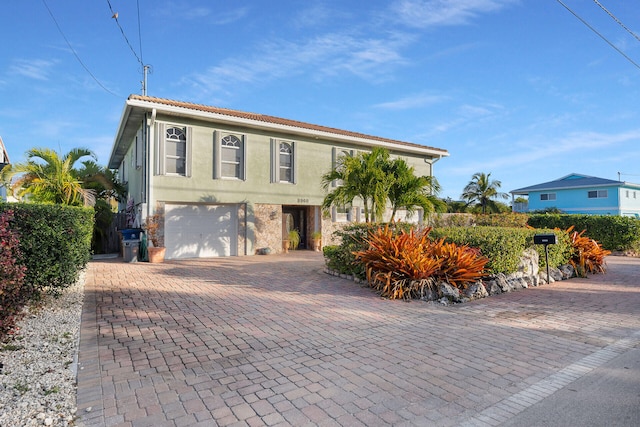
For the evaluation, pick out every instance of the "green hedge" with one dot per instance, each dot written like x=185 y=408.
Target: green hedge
x=612 y=232
x=504 y=246
x=55 y=243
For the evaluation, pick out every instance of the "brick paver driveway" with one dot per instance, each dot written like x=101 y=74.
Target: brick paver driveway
x=272 y=340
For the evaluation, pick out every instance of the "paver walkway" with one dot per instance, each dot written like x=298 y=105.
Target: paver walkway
x=272 y=340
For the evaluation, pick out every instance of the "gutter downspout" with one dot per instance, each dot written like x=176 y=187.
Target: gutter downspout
x=149 y=123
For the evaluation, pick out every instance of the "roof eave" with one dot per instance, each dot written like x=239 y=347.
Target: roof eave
x=256 y=124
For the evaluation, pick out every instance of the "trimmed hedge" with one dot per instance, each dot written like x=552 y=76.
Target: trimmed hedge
x=13 y=293
x=504 y=246
x=615 y=233
x=55 y=243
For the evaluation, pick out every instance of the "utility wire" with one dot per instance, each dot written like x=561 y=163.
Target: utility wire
x=139 y=30
x=617 y=20
x=75 y=53
x=600 y=35
x=115 y=16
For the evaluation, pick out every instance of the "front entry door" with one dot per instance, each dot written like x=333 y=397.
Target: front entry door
x=294 y=218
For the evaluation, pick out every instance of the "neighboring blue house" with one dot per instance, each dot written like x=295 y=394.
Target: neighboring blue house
x=582 y=194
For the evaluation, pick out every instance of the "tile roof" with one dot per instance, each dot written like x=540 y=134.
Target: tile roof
x=277 y=121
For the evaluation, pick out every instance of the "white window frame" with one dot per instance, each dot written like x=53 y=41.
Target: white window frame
x=219 y=146
x=550 y=197
x=161 y=156
x=275 y=161
x=599 y=194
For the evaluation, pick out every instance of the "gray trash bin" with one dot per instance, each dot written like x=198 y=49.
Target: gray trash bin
x=130 y=250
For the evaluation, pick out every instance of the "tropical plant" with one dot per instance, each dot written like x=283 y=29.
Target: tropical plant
x=48 y=178
x=588 y=256
x=362 y=175
x=409 y=191
x=294 y=239
x=152 y=227
x=408 y=263
x=481 y=190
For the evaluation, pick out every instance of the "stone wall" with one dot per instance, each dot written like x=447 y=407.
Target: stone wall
x=268 y=227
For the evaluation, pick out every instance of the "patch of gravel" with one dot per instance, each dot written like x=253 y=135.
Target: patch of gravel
x=38 y=374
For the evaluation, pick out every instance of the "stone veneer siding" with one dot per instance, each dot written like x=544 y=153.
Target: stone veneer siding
x=268 y=227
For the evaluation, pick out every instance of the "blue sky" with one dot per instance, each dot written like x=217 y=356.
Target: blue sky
x=519 y=89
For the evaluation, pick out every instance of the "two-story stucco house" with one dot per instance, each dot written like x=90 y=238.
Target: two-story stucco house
x=583 y=194
x=230 y=182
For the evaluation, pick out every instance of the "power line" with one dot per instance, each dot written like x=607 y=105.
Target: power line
x=600 y=35
x=617 y=20
x=115 y=16
x=139 y=30
x=75 y=53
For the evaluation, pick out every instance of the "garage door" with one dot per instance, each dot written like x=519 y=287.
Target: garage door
x=201 y=231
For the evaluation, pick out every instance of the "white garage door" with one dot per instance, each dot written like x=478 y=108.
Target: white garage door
x=200 y=231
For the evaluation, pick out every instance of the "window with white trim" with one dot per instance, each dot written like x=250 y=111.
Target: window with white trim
x=176 y=151
x=230 y=153
x=173 y=150
x=231 y=158
x=286 y=162
x=547 y=196
x=283 y=161
x=598 y=194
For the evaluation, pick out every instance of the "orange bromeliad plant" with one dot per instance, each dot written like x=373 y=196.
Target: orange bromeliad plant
x=588 y=256
x=403 y=265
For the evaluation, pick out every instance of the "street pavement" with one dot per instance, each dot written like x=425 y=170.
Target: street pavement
x=273 y=340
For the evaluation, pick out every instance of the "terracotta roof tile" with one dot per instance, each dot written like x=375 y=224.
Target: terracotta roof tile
x=275 y=120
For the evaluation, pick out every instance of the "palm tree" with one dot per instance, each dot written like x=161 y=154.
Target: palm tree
x=481 y=190
x=364 y=176
x=48 y=178
x=409 y=191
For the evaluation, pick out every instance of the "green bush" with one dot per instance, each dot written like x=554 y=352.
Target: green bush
x=55 y=243
x=504 y=246
x=341 y=258
x=612 y=232
x=514 y=220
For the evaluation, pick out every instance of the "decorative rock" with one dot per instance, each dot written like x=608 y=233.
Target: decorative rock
x=567 y=271
x=492 y=287
x=48 y=421
x=475 y=291
x=449 y=292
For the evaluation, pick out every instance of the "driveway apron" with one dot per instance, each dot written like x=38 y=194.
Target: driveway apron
x=273 y=340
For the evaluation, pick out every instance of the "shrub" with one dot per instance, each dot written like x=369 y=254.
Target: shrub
x=588 y=256
x=55 y=243
x=504 y=246
x=613 y=232
x=13 y=293
x=514 y=220
x=403 y=264
x=353 y=238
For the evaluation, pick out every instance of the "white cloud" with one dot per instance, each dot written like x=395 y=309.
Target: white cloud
x=530 y=151
x=321 y=56
x=430 y=13
x=410 y=102
x=37 y=69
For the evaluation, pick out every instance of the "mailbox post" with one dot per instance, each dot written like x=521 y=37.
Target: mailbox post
x=546 y=240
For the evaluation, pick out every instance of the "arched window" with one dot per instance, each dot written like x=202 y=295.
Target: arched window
x=231 y=157
x=175 y=150
x=286 y=162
